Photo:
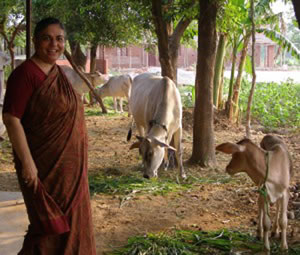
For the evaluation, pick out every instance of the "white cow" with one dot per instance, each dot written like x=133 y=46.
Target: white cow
x=116 y=87
x=271 y=171
x=155 y=104
x=77 y=82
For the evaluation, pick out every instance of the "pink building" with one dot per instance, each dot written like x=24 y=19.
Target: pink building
x=137 y=57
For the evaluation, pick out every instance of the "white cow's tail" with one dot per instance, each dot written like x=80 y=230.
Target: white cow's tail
x=130 y=130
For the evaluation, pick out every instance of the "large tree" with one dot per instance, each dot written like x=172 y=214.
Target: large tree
x=12 y=24
x=169 y=34
x=203 y=131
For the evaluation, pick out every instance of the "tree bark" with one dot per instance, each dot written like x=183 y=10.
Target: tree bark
x=233 y=110
x=93 y=55
x=248 y=116
x=233 y=63
x=77 y=55
x=203 y=130
x=219 y=67
x=93 y=58
x=168 y=40
x=296 y=4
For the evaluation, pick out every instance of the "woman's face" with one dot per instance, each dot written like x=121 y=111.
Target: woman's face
x=50 y=44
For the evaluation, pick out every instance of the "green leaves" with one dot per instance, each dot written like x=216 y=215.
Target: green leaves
x=274 y=105
x=281 y=40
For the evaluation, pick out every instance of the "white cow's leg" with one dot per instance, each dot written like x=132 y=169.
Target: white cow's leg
x=178 y=152
x=129 y=111
x=121 y=104
x=166 y=160
x=283 y=220
x=115 y=104
x=275 y=230
x=260 y=229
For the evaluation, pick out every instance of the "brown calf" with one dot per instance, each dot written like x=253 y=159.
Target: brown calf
x=270 y=171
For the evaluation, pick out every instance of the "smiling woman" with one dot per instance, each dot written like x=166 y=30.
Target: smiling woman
x=44 y=119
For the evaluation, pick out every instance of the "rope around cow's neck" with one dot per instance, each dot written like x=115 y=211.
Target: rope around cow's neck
x=263 y=188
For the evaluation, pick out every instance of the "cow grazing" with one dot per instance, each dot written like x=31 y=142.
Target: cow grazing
x=155 y=104
x=78 y=83
x=117 y=87
x=270 y=171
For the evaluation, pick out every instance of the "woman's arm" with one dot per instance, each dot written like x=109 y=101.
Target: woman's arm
x=19 y=143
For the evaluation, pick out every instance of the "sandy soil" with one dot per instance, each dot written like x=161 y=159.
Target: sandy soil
x=206 y=206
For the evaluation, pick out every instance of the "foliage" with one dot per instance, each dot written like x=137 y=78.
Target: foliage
x=281 y=40
x=197 y=242
x=187 y=93
x=274 y=105
x=105 y=22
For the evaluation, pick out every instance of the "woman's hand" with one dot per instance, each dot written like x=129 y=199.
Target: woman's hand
x=30 y=175
x=19 y=143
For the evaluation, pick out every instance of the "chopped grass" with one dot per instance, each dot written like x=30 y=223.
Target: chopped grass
x=133 y=184
x=184 y=242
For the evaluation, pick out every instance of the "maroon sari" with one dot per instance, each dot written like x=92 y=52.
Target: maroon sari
x=59 y=212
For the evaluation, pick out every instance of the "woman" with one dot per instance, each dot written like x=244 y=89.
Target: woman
x=44 y=118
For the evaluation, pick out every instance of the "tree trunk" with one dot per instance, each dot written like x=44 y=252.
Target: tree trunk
x=203 y=130
x=12 y=56
x=93 y=58
x=296 y=4
x=93 y=54
x=168 y=39
x=220 y=95
x=77 y=55
x=233 y=63
x=219 y=67
x=248 y=117
x=233 y=110
x=163 y=30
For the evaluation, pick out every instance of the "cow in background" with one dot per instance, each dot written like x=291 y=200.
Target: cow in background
x=155 y=104
x=78 y=83
x=118 y=87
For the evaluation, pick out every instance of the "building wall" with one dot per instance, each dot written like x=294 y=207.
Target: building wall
x=137 y=57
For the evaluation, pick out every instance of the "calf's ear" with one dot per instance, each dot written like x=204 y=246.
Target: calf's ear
x=228 y=148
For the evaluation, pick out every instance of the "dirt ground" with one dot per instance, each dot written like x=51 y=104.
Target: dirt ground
x=206 y=206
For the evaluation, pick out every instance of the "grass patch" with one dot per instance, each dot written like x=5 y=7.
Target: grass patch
x=132 y=184
x=128 y=184
x=183 y=242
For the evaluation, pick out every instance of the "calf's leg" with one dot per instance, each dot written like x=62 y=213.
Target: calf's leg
x=283 y=220
x=267 y=225
x=260 y=229
x=275 y=230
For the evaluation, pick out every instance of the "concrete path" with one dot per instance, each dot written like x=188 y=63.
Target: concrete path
x=13 y=222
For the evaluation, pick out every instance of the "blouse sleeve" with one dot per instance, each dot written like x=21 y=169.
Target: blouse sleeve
x=20 y=86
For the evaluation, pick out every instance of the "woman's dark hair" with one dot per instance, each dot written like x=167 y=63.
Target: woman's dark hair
x=44 y=23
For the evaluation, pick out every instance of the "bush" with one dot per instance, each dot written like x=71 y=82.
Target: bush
x=274 y=105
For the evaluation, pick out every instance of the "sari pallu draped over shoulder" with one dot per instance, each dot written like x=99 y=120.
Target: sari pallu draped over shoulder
x=59 y=212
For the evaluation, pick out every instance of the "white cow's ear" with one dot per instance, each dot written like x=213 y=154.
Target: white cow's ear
x=140 y=138
x=162 y=144
x=135 y=145
x=230 y=148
